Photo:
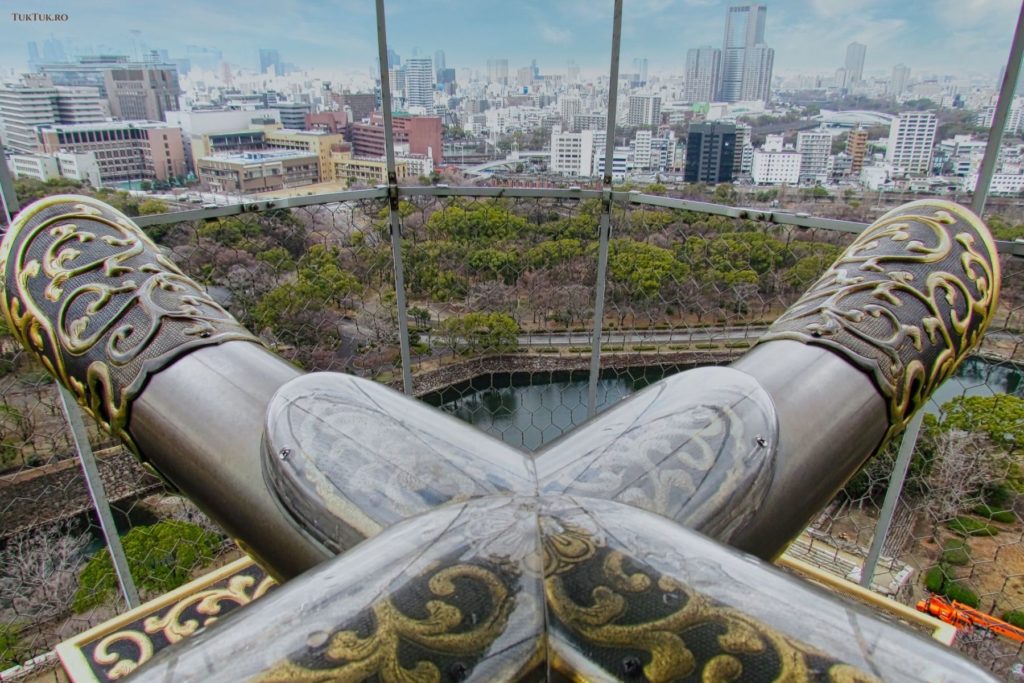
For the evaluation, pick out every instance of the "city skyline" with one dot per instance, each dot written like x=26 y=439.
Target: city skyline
x=942 y=36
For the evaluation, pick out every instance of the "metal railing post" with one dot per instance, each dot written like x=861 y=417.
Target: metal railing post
x=606 y=212
x=8 y=196
x=393 y=205
x=995 y=135
x=94 y=484
x=892 y=496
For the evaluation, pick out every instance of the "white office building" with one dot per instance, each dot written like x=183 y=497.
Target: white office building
x=571 y=153
x=815 y=148
x=776 y=167
x=911 y=139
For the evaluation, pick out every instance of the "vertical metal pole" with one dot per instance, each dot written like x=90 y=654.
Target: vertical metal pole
x=995 y=135
x=7 y=194
x=606 y=212
x=395 y=217
x=94 y=484
x=892 y=496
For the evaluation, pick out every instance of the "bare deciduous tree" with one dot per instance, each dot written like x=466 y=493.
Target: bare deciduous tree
x=39 y=571
x=963 y=463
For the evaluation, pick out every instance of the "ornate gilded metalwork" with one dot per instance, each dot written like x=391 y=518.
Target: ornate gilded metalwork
x=114 y=650
x=439 y=623
x=101 y=308
x=550 y=588
x=906 y=303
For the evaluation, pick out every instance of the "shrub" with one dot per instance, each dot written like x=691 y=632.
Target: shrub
x=934 y=579
x=738 y=345
x=10 y=645
x=996 y=514
x=968 y=526
x=961 y=593
x=956 y=552
x=705 y=346
x=644 y=347
x=1014 y=617
x=161 y=557
x=546 y=349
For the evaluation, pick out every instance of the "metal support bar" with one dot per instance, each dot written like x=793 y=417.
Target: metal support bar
x=892 y=496
x=393 y=201
x=606 y=212
x=94 y=484
x=995 y=134
x=7 y=194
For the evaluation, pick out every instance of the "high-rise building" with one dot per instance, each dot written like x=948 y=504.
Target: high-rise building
x=497 y=71
x=757 y=73
x=855 y=53
x=775 y=166
x=36 y=102
x=911 y=139
x=142 y=94
x=642 y=150
x=744 y=31
x=270 y=58
x=92 y=71
x=644 y=110
x=900 y=77
x=702 y=72
x=857 y=148
x=572 y=154
x=569 y=108
x=572 y=72
x=419 y=82
x=394 y=61
x=710 y=153
x=815 y=148
x=743 y=141
x=640 y=68
x=439 y=64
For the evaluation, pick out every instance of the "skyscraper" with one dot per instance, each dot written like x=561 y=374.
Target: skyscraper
x=702 y=68
x=710 y=152
x=757 y=73
x=439 y=64
x=394 y=60
x=497 y=71
x=855 y=63
x=745 y=57
x=419 y=82
x=270 y=58
x=900 y=76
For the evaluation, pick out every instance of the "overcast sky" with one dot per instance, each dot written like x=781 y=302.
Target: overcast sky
x=930 y=36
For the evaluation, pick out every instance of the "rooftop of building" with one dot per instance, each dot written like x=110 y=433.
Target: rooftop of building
x=106 y=125
x=260 y=157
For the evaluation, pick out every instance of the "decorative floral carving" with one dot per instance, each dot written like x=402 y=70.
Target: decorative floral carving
x=906 y=303
x=98 y=304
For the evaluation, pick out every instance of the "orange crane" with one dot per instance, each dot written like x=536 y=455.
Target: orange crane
x=967 y=618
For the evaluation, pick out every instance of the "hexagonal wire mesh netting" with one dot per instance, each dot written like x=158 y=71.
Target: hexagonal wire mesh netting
x=501 y=300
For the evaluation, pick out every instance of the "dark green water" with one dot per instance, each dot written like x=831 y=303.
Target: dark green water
x=529 y=410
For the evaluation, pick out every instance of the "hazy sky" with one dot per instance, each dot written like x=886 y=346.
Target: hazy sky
x=931 y=36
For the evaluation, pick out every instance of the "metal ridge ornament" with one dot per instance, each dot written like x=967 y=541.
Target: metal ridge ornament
x=98 y=304
x=906 y=302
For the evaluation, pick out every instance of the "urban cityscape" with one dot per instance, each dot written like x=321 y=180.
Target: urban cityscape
x=475 y=214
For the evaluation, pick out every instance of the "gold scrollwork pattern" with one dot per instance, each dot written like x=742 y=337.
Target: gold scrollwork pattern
x=441 y=622
x=97 y=303
x=122 y=652
x=906 y=302
x=639 y=624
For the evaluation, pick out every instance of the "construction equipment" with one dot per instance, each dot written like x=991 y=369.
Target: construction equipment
x=967 y=618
